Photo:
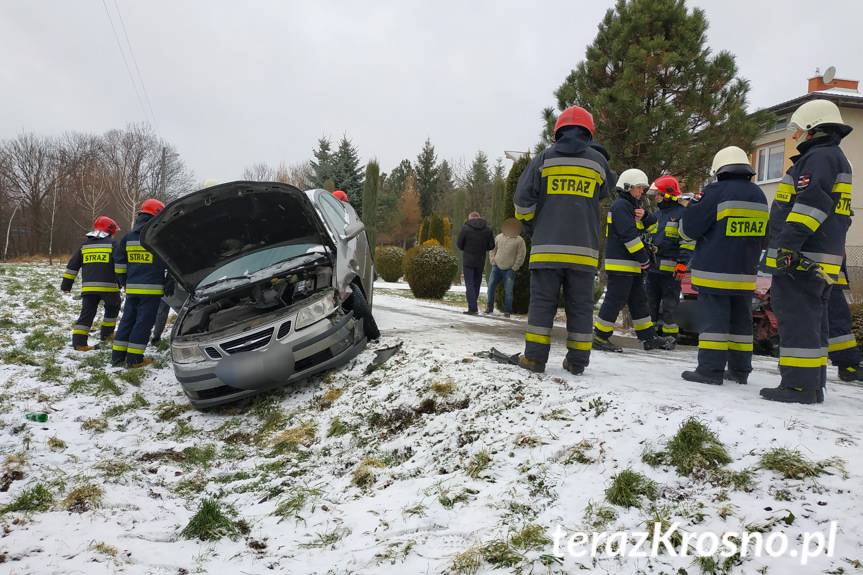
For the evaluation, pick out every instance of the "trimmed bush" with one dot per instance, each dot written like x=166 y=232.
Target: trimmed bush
x=388 y=261
x=429 y=270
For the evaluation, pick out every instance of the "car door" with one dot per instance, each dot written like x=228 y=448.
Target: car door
x=352 y=257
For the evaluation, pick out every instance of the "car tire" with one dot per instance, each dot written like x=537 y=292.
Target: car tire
x=357 y=302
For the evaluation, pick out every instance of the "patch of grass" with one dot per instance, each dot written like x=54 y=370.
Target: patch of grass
x=103 y=548
x=113 y=467
x=365 y=473
x=99 y=383
x=558 y=414
x=138 y=401
x=327 y=539
x=19 y=356
x=56 y=444
x=598 y=405
x=32 y=500
x=576 y=454
x=189 y=457
x=694 y=448
x=418 y=509
x=628 y=487
x=94 y=425
x=792 y=464
x=447 y=497
x=531 y=537
x=743 y=480
x=170 y=410
x=40 y=340
x=268 y=409
x=393 y=421
x=527 y=440
x=210 y=523
x=659 y=524
x=467 y=562
x=718 y=564
x=97 y=360
x=182 y=428
x=51 y=370
x=442 y=389
x=291 y=439
x=134 y=377
x=478 y=463
x=296 y=498
x=501 y=554
x=83 y=499
x=337 y=428
x=598 y=516
x=329 y=398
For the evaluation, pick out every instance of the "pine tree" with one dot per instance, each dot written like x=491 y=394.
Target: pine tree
x=371 y=186
x=322 y=165
x=347 y=173
x=409 y=210
x=459 y=215
x=660 y=100
x=521 y=289
x=393 y=185
x=478 y=185
x=426 y=170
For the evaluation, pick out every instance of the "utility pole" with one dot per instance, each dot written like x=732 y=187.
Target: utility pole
x=164 y=156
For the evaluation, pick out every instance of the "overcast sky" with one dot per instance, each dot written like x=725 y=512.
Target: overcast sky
x=232 y=83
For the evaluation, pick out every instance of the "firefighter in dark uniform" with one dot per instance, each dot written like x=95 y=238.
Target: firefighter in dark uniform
x=728 y=225
x=808 y=221
x=626 y=259
x=95 y=260
x=672 y=255
x=557 y=201
x=143 y=276
x=842 y=350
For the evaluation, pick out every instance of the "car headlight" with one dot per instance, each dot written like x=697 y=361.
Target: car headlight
x=186 y=354
x=314 y=312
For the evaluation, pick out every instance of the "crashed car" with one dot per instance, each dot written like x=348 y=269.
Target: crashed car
x=276 y=283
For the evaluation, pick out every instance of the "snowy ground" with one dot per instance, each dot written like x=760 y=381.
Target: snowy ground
x=436 y=462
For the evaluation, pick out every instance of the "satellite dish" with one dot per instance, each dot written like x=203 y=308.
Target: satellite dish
x=829 y=74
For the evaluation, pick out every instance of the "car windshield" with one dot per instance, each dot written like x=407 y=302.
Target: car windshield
x=254 y=262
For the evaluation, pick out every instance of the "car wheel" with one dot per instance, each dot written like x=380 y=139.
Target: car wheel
x=357 y=302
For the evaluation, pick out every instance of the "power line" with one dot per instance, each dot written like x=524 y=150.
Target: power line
x=135 y=61
x=120 y=46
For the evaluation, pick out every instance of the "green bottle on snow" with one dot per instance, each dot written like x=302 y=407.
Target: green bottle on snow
x=39 y=417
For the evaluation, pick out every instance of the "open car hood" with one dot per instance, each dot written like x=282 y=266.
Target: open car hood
x=199 y=233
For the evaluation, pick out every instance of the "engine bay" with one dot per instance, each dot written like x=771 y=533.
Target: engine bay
x=256 y=299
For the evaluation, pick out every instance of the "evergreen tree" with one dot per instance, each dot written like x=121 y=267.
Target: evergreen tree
x=478 y=185
x=521 y=287
x=322 y=165
x=426 y=170
x=498 y=195
x=388 y=200
x=409 y=210
x=459 y=215
x=371 y=186
x=660 y=100
x=445 y=188
x=347 y=173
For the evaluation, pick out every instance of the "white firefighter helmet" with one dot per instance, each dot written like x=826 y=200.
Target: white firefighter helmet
x=731 y=160
x=818 y=113
x=632 y=178
x=208 y=183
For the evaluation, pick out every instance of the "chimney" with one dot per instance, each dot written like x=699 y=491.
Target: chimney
x=816 y=84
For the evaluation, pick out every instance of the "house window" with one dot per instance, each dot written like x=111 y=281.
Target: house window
x=770 y=161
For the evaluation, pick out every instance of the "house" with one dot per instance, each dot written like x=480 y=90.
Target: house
x=774 y=147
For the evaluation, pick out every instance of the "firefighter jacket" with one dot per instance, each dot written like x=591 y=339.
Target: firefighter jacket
x=557 y=201
x=95 y=260
x=728 y=225
x=812 y=209
x=671 y=249
x=625 y=251
x=139 y=271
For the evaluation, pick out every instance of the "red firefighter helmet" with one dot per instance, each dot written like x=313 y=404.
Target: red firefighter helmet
x=666 y=186
x=152 y=206
x=341 y=195
x=574 y=116
x=105 y=224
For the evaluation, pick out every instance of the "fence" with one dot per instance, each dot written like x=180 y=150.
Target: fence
x=854 y=263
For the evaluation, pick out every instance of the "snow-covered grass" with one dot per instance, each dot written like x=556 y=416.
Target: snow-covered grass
x=435 y=462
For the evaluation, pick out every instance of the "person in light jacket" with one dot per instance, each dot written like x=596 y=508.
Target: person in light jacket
x=506 y=258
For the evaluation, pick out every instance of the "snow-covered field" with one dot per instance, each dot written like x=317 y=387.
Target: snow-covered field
x=436 y=462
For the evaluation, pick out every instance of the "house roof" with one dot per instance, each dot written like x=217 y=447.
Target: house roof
x=842 y=97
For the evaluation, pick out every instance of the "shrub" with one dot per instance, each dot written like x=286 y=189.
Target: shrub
x=388 y=261
x=521 y=288
x=429 y=270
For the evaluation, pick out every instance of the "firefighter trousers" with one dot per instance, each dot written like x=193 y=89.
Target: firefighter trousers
x=841 y=344
x=623 y=290
x=663 y=295
x=133 y=333
x=545 y=287
x=89 y=307
x=725 y=339
x=800 y=303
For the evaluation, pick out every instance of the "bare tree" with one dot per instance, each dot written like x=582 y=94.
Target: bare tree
x=260 y=172
x=129 y=160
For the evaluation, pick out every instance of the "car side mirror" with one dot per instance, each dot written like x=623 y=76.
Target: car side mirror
x=353 y=230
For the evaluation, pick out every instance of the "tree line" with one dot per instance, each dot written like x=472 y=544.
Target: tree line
x=53 y=188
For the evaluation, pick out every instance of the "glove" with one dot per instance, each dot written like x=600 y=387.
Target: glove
x=786 y=261
x=679 y=272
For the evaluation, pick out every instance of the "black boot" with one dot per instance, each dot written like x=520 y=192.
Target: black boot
x=699 y=377
x=851 y=372
x=660 y=342
x=605 y=345
x=737 y=376
x=572 y=368
x=531 y=365
x=793 y=395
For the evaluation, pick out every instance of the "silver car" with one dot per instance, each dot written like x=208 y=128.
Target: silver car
x=276 y=284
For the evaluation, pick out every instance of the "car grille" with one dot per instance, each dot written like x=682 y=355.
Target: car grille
x=212 y=352
x=248 y=342
x=313 y=360
x=284 y=330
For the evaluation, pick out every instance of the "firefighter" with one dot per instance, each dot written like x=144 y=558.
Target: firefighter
x=842 y=347
x=626 y=259
x=557 y=201
x=728 y=225
x=672 y=255
x=95 y=259
x=808 y=221
x=143 y=276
